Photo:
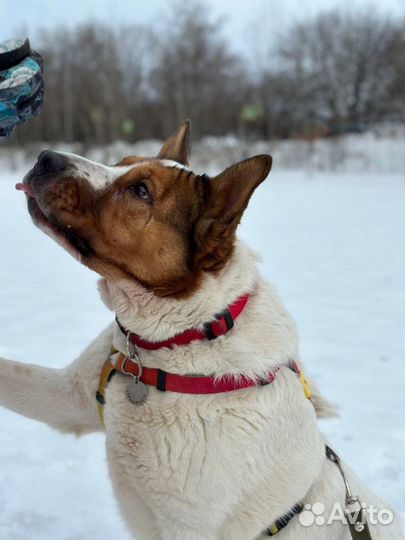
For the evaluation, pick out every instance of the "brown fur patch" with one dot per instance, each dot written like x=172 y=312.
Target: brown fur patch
x=227 y=198
x=165 y=241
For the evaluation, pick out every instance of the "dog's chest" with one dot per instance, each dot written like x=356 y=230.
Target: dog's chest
x=182 y=450
x=172 y=440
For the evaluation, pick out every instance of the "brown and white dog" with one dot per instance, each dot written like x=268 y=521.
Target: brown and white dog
x=183 y=466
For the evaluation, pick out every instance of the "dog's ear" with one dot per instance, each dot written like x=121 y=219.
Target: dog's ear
x=225 y=199
x=177 y=146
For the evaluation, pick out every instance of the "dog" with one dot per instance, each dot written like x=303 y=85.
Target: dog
x=211 y=427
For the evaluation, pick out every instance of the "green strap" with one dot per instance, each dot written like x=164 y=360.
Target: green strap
x=358 y=526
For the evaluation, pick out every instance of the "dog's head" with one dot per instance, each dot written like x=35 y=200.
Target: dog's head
x=152 y=220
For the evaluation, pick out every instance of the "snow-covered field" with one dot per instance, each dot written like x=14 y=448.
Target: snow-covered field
x=333 y=244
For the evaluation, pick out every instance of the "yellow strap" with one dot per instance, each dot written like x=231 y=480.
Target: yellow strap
x=108 y=368
x=100 y=409
x=305 y=384
x=273 y=528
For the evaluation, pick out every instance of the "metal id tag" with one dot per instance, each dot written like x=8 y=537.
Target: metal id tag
x=137 y=391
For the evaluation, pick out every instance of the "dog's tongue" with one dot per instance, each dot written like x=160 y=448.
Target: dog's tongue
x=24 y=187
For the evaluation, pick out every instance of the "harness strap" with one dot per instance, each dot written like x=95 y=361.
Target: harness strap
x=106 y=374
x=110 y=368
x=356 y=515
x=181 y=383
x=284 y=520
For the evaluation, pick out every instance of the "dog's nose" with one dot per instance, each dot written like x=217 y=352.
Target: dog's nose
x=50 y=161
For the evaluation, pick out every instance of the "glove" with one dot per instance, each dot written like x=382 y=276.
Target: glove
x=21 y=84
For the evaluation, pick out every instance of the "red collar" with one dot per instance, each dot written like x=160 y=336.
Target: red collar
x=222 y=323
x=189 y=384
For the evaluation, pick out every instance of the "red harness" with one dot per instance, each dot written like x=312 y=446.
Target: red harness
x=184 y=384
x=190 y=384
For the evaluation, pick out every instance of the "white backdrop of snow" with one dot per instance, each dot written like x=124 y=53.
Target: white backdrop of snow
x=333 y=245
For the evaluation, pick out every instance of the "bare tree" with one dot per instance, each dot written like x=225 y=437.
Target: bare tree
x=336 y=72
x=336 y=68
x=197 y=75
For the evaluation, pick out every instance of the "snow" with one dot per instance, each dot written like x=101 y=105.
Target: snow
x=379 y=150
x=333 y=245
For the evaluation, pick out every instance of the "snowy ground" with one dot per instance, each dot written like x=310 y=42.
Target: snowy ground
x=333 y=244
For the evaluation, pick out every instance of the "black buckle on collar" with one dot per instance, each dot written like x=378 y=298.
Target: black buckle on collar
x=161 y=380
x=224 y=318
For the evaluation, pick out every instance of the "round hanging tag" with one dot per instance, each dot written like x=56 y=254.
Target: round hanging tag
x=137 y=392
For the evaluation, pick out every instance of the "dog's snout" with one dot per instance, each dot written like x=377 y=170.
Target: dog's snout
x=50 y=161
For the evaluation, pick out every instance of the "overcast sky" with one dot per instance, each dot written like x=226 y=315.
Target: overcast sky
x=244 y=19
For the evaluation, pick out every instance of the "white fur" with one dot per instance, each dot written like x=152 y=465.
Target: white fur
x=100 y=176
x=97 y=174
x=199 y=466
x=169 y=163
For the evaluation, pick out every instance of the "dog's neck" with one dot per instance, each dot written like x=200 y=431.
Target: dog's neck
x=264 y=335
x=155 y=318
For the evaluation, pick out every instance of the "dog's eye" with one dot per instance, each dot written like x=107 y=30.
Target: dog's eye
x=141 y=191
